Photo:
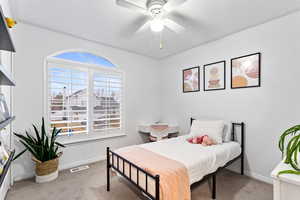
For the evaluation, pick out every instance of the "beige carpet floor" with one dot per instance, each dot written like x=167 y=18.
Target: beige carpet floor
x=90 y=185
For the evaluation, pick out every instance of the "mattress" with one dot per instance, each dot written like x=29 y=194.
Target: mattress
x=199 y=160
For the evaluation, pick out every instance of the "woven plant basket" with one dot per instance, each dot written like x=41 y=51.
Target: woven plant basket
x=46 y=168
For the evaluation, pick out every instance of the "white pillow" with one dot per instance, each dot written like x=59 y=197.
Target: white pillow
x=212 y=128
x=227 y=132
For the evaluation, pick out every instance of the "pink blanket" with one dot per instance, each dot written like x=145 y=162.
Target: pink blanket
x=174 y=180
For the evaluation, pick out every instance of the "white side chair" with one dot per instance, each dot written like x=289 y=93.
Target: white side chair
x=158 y=132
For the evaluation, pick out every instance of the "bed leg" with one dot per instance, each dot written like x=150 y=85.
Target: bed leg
x=243 y=148
x=214 y=186
x=242 y=165
x=107 y=170
x=157 y=194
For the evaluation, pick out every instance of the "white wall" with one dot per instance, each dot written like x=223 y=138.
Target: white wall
x=267 y=111
x=33 y=45
x=154 y=88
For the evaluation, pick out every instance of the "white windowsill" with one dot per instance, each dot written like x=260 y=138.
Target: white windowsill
x=69 y=140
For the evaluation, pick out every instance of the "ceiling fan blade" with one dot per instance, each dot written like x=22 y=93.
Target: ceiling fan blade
x=171 y=4
x=144 y=27
x=130 y=5
x=173 y=26
x=189 y=22
x=134 y=26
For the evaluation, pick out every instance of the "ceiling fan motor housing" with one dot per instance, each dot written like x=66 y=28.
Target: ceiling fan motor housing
x=155 y=6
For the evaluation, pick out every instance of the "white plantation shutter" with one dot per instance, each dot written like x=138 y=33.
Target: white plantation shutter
x=83 y=99
x=68 y=99
x=107 y=107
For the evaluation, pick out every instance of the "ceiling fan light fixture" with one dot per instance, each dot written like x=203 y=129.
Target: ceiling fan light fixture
x=155 y=6
x=157 y=25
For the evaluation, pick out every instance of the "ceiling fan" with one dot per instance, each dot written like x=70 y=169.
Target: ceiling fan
x=156 y=12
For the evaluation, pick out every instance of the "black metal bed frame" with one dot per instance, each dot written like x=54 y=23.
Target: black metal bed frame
x=118 y=163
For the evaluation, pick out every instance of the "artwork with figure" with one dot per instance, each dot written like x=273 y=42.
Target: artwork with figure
x=191 y=82
x=214 y=76
x=245 y=71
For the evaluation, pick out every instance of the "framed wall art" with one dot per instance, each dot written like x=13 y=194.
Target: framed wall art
x=246 y=71
x=214 y=76
x=191 y=79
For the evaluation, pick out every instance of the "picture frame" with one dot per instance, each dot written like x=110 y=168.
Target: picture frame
x=214 y=76
x=246 y=71
x=191 y=80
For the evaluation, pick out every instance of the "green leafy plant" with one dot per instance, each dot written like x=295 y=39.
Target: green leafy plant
x=290 y=152
x=42 y=146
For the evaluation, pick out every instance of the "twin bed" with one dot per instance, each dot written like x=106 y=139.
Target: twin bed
x=168 y=165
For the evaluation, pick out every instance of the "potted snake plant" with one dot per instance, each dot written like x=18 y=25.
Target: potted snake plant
x=45 y=151
x=290 y=151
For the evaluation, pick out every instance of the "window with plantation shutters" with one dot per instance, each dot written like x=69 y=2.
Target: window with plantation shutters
x=107 y=102
x=68 y=99
x=84 y=95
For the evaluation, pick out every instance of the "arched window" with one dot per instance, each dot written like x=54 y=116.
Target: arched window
x=84 y=94
x=84 y=57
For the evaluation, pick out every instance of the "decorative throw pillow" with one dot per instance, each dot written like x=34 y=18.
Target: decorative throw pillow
x=227 y=132
x=205 y=140
x=196 y=140
x=212 y=128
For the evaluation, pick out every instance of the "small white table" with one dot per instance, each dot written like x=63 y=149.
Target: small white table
x=145 y=128
x=286 y=186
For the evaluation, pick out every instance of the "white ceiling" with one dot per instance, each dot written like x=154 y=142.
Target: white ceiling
x=104 y=22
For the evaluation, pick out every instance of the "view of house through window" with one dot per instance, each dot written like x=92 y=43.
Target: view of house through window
x=84 y=94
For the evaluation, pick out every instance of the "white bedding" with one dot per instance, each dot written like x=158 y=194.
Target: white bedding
x=199 y=160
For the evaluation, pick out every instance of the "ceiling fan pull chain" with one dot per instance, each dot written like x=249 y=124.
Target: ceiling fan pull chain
x=160 y=41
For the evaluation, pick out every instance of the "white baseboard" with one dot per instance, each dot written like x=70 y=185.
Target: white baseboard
x=254 y=175
x=259 y=177
x=102 y=158
x=64 y=167
x=81 y=162
x=250 y=174
x=24 y=176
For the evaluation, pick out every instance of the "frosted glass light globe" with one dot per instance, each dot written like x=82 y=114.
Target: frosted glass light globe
x=157 y=25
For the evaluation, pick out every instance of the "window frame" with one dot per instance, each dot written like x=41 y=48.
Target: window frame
x=91 y=69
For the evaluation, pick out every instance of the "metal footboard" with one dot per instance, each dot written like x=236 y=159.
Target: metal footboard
x=144 y=181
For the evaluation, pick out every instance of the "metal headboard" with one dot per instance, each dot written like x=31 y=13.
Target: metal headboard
x=234 y=138
x=233 y=132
